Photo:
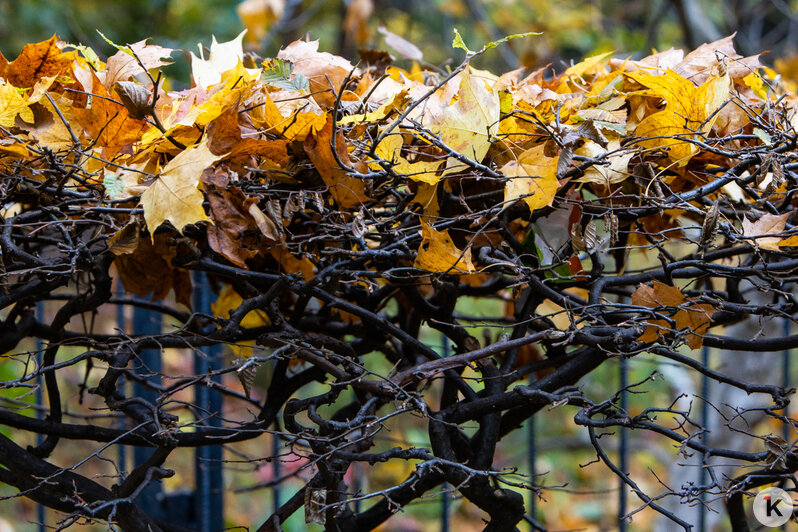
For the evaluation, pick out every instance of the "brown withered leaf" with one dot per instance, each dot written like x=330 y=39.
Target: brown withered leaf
x=148 y=270
x=234 y=234
x=134 y=97
x=122 y=66
x=347 y=191
x=126 y=240
x=688 y=314
x=767 y=224
x=224 y=133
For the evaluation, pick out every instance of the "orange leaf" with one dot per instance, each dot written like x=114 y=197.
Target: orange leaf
x=107 y=121
x=37 y=61
x=347 y=191
x=690 y=315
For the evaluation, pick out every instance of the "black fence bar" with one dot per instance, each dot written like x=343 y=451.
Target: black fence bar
x=445 y=498
x=623 y=447
x=41 y=513
x=532 y=458
x=121 y=324
x=276 y=469
x=209 y=491
x=703 y=414
x=148 y=366
x=786 y=368
x=786 y=382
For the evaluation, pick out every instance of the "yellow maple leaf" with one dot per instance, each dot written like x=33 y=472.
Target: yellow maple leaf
x=688 y=111
x=175 y=196
x=467 y=125
x=533 y=178
x=12 y=104
x=228 y=301
x=438 y=253
x=789 y=242
x=422 y=171
x=396 y=103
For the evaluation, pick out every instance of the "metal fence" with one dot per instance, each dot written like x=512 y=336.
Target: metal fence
x=202 y=508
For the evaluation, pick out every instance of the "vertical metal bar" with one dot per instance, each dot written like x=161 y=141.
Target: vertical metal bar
x=208 y=459
x=623 y=461
x=121 y=324
x=704 y=417
x=276 y=469
x=148 y=323
x=786 y=368
x=40 y=509
x=532 y=456
x=445 y=502
x=785 y=382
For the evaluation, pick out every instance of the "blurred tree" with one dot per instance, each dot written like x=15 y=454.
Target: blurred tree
x=571 y=28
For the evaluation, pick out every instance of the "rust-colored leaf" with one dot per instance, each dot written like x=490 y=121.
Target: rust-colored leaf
x=347 y=191
x=37 y=61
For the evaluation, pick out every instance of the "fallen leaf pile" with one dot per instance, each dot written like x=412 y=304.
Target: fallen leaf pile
x=373 y=173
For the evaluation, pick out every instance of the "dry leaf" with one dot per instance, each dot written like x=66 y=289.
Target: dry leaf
x=347 y=191
x=767 y=224
x=689 y=314
x=467 y=124
x=175 y=196
x=438 y=253
x=532 y=179
x=686 y=114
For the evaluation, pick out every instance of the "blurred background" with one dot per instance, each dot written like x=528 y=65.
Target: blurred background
x=572 y=29
x=421 y=30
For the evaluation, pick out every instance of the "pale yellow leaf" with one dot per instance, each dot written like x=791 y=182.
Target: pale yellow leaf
x=175 y=196
x=533 y=178
x=223 y=57
x=467 y=124
x=615 y=172
x=767 y=224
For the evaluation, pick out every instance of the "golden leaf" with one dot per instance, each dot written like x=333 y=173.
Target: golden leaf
x=175 y=196
x=467 y=125
x=438 y=253
x=37 y=61
x=13 y=104
x=423 y=171
x=688 y=111
x=533 y=178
